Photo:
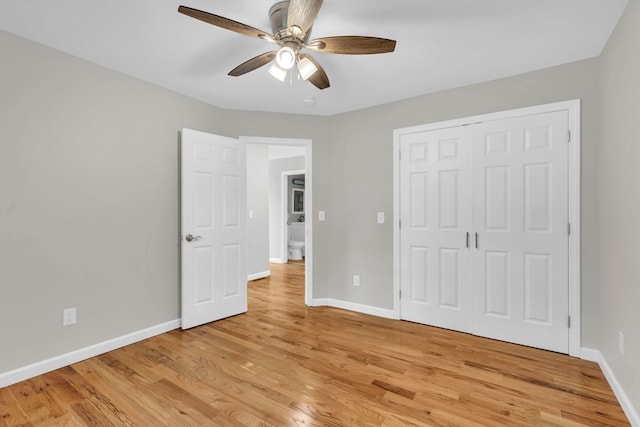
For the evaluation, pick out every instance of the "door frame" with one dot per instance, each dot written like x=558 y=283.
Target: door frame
x=308 y=200
x=573 y=108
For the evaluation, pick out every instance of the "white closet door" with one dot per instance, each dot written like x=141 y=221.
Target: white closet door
x=520 y=206
x=435 y=218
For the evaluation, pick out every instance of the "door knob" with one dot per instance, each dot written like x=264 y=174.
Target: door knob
x=190 y=238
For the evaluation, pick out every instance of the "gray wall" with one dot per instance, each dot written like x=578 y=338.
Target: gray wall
x=619 y=201
x=352 y=167
x=258 y=204
x=249 y=123
x=89 y=193
x=361 y=179
x=88 y=201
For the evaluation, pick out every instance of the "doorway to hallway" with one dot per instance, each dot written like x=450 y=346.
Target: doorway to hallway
x=284 y=158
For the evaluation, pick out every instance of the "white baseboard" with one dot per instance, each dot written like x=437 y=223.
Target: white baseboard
x=278 y=260
x=261 y=275
x=39 y=368
x=621 y=395
x=590 y=354
x=352 y=306
x=42 y=367
x=319 y=302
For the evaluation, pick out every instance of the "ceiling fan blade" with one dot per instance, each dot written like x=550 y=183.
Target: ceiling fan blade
x=319 y=79
x=302 y=13
x=252 y=64
x=352 y=45
x=226 y=23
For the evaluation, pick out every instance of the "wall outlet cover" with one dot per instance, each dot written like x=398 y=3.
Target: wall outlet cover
x=69 y=316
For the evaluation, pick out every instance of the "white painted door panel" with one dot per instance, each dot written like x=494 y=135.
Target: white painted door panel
x=435 y=219
x=505 y=183
x=213 y=210
x=520 y=205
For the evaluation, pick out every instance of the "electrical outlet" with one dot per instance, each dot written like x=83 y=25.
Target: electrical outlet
x=356 y=280
x=380 y=217
x=621 y=343
x=69 y=316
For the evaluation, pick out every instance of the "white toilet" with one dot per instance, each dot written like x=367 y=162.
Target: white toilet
x=295 y=243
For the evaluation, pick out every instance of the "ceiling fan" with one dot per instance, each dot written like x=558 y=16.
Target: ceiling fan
x=291 y=22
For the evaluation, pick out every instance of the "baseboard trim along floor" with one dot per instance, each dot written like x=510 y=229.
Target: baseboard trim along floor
x=48 y=365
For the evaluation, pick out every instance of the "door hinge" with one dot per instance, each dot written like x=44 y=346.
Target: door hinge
x=399 y=154
x=569 y=321
x=400 y=293
x=568 y=136
x=569 y=229
x=400 y=224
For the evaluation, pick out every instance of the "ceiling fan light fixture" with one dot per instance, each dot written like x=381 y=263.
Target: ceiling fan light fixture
x=286 y=58
x=306 y=68
x=291 y=24
x=277 y=72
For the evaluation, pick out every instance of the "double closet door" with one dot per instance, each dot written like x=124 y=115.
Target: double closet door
x=484 y=229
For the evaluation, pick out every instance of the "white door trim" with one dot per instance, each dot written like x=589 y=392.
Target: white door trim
x=308 y=200
x=573 y=109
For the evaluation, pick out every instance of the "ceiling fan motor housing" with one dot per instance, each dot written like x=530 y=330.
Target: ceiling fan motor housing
x=279 y=25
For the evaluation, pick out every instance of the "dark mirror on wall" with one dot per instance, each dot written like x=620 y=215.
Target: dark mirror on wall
x=297 y=196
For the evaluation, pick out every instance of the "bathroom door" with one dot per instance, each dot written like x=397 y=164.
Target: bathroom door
x=213 y=229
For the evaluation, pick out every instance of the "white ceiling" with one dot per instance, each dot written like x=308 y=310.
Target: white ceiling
x=441 y=44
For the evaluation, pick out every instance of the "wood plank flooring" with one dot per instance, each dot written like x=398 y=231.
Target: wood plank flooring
x=283 y=364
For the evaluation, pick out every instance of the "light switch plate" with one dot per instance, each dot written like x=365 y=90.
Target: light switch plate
x=320 y=215
x=380 y=217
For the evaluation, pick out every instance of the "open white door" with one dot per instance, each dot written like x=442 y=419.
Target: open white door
x=213 y=229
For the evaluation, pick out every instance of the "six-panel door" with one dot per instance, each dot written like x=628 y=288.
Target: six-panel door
x=435 y=222
x=483 y=236
x=520 y=212
x=213 y=210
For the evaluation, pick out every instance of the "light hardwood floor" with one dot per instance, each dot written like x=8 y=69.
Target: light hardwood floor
x=284 y=364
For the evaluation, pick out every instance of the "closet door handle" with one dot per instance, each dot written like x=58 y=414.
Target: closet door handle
x=477 y=244
x=467 y=240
